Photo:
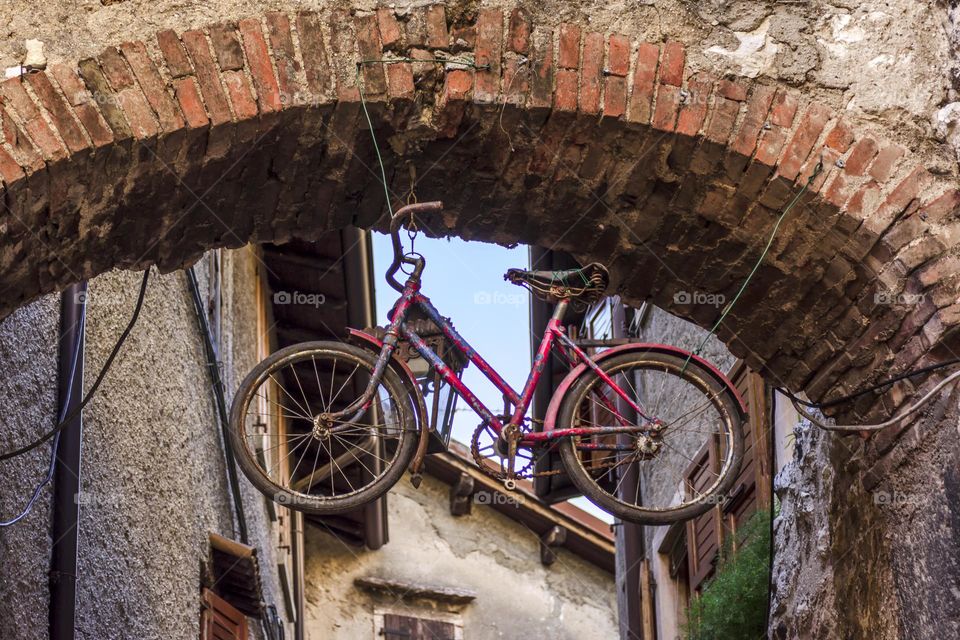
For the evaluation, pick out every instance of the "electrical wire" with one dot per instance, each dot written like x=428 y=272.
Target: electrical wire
x=876 y=427
x=773 y=234
x=879 y=385
x=96 y=384
x=56 y=439
x=366 y=113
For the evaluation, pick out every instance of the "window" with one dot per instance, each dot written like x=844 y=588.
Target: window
x=219 y=620
x=403 y=626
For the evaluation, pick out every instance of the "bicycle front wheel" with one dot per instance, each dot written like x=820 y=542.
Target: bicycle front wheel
x=674 y=467
x=295 y=455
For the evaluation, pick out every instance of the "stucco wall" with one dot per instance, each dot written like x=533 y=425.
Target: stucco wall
x=153 y=478
x=485 y=552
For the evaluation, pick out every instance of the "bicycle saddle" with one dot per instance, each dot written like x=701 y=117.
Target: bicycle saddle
x=588 y=283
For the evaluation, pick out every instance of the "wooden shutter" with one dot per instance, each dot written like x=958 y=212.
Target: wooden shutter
x=703 y=532
x=219 y=620
x=706 y=534
x=397 y=627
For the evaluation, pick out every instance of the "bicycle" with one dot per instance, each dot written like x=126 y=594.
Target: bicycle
x=650 y=413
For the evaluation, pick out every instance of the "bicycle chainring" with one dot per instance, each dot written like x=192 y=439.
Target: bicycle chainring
x=484 y=442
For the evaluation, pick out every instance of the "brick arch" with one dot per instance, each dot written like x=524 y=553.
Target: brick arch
x=153 y=152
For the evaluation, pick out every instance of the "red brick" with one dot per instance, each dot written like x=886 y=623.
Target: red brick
x=614 y=96
x=390 y=34
x=671 y=69
x=518 y=38
x=190 y=102
x=10 y=171
x=226 y=45
x=207 y=77
x=154 y=88
x=722 y=120
x=750 y=129
x=284 y=54
x=668 y=105
x=437 y=35
x=644 y=75
x=16 y=96
x=784 y=109
x=116 y=69
x=886 y=161
x=244 y=106
x=864 y=200
x=840 y=137
x=261 y=68
x=814 y=120
x=104 y=97
x=516 y=82
x=489 y=43
x=590 y=73
x=863 y=152
x=315 y=61
x=898 y=200
x=694 y=111
x=618 y=57
x=23 y=150
x=71 y=85
x=96 y=126
x=177 y=61
x=541 y=76
x=138 y=113
x=34 y=125
x=457 y=85
x=59 y=110
x=400 y=80
x=569 y=57
x=566 y=94
x=368 y=41
x=943 y=208
x=840 y=190
x=732 y=90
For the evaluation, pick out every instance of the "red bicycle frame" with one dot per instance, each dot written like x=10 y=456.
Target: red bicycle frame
x=411 y=297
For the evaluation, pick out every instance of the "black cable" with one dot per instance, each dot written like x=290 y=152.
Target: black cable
x=214 y=371
x=772 y=399
x=879 y=385
x=56 y=440
x=103 y=372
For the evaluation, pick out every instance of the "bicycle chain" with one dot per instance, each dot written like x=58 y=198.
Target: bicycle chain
x=525 y=472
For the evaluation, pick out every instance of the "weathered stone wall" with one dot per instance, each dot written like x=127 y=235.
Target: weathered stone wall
x=153 y=478
x=485 y=552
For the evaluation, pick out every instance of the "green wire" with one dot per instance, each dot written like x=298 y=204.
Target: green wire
x=729 y=307
x=366 y=113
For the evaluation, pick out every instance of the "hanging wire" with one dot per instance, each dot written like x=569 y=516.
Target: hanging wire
x=773 y=234
x=65 y=422
x=366 y=112
x=75 y=359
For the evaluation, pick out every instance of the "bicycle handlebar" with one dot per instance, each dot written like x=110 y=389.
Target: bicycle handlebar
x=398 y=256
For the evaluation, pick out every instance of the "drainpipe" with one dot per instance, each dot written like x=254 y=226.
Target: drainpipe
x=66 y=478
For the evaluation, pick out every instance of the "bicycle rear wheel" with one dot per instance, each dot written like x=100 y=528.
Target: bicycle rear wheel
x=662 y=472
x=294 y=455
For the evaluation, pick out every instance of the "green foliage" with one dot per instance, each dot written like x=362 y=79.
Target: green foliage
x=733 y=605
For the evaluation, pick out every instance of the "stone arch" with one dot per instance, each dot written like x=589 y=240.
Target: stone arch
x=594 y=143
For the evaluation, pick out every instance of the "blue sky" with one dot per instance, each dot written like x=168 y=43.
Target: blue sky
x=464 y=280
